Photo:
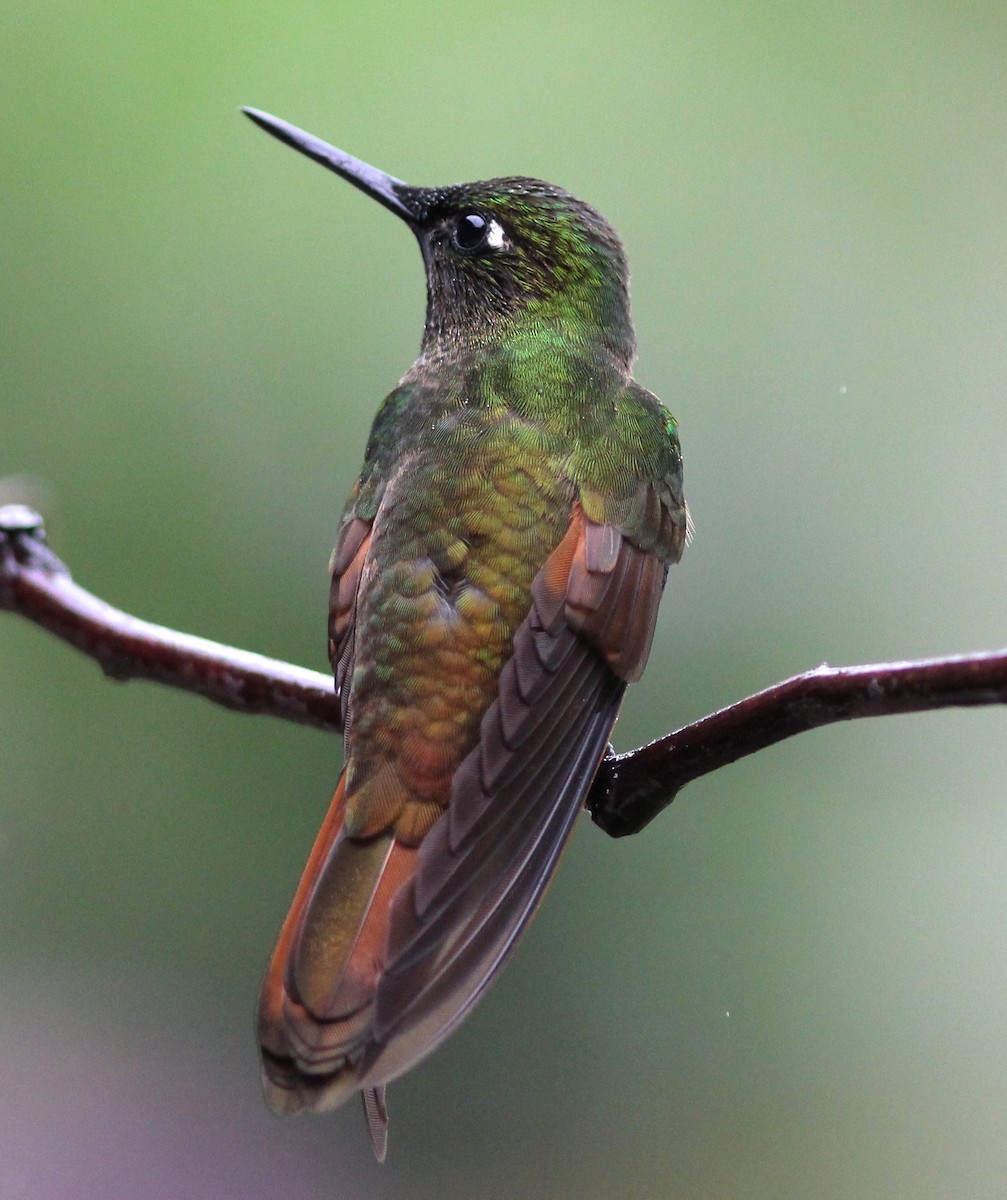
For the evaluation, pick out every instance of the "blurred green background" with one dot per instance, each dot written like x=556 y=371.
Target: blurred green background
x=794 y=984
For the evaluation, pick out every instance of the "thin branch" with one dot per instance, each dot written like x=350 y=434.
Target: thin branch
x=630 y=790
x=36 y=584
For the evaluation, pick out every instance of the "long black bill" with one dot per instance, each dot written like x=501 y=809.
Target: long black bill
x=378 y=185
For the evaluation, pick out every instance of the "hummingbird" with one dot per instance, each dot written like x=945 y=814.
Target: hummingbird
x=495 y=586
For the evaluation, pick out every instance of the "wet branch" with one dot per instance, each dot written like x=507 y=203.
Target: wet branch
x=630 y=790
x=36 y=584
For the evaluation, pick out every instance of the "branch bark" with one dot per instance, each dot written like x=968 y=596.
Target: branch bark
x=630 y=789
x=36 y=584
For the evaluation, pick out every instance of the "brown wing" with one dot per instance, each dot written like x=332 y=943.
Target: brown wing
x=483 y=868
x=347 y=563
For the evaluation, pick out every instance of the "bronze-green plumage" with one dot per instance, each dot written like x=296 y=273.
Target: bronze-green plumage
x=495 y=586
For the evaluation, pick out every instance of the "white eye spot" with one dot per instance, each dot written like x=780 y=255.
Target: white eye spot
x=496 y=239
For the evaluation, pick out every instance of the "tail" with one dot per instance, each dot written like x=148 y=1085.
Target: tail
x=316 y=1003
x=279 y=1071
x=376 y=1112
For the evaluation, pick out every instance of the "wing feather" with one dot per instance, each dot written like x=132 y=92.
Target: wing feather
x=439 y=965
x=346 y=567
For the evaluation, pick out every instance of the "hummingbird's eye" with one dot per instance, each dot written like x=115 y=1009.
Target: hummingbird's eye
x=470 y=230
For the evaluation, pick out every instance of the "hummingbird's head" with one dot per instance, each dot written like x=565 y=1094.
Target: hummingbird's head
x=499 y=253
x=519 y=249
